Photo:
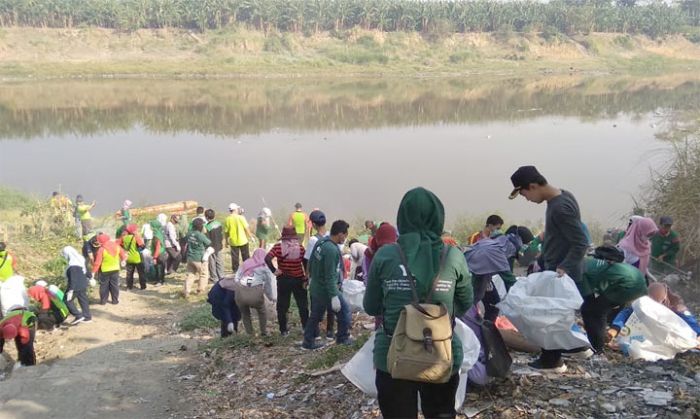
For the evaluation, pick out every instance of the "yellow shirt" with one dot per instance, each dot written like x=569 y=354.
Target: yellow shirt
x=235 y=228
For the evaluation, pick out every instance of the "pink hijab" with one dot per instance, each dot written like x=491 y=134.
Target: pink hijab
x=254 y=262
x=636 y=240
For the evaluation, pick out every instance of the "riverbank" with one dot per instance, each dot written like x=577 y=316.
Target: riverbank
x=236 y=52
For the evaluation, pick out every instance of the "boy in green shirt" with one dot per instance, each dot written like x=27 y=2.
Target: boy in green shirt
x=324 y=273
x=665 y=245
x=198 y=252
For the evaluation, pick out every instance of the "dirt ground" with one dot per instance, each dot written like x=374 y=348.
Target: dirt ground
x=125 y=364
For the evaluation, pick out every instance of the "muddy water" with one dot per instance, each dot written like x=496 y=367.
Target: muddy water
x=351 y=148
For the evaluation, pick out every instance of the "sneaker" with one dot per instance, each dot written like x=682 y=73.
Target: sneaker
x=578 y=353
x=87 y=320
x=77 y=320
x=313 y=346
x=330 y=336
x=559 y=367
x=347 y=342
x=157 y=285
x=285 y=333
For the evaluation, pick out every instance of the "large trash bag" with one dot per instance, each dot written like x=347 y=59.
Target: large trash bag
x=543 y=308
x=354 y=293
x=360 y=369
x=13 y=294
x=654 y=332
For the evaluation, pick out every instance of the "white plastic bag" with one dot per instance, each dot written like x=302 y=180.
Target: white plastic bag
x=543 y=308
x=654 y=332
x=500 y=286
x=354 y=293
x=13 y=294
x=361 y=372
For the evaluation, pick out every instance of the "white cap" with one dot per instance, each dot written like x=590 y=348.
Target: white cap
x=41 y=283
x=232 y=206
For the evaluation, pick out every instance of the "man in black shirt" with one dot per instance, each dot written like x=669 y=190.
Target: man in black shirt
x=565 y=242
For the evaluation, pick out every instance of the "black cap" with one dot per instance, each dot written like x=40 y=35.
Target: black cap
x=523 y=177
x=317 y=217
x=666 y=220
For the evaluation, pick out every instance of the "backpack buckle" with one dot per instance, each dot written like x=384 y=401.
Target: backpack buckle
x=428 y=340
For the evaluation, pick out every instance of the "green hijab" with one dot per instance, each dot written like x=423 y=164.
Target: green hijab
x=157 y=228
x=420 y=221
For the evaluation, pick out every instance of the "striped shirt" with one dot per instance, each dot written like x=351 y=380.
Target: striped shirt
x=289 y=267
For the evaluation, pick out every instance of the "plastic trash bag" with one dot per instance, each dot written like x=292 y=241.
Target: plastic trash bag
x=354 y=293
x=500 y=286
x=360 y=369
x=543 y=308
x=654 y=332
x=13 y=294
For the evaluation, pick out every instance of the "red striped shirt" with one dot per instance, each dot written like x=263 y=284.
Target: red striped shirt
x=289 y=267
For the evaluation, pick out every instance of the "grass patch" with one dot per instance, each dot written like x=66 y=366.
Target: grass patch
x=199 y=318
x=336 y=353
x=11 y=199
x=624 y=41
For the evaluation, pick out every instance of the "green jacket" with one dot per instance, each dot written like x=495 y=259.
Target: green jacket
x=197 y=243
x=618 y=282
x=324 y=270
x=388 y=291
x=666 y=246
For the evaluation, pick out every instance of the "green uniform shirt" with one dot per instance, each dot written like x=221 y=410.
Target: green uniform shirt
x=618 y=282
x=197 y=243
x=324 y=270
x=388 y=291
x=666 y=246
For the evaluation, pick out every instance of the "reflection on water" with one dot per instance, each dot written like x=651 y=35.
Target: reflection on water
x=352 y=147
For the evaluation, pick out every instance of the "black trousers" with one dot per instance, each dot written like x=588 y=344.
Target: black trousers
x=485 y=292
x=595 y=312
x=130 y=268
x=159 y=266
x=109 y=284
x=244 y=255
x=25 y=351
x=286 y=287
x=399 y=398
x=174 y=259
x=82 y=297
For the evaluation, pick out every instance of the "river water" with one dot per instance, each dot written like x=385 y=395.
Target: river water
x=351 y=148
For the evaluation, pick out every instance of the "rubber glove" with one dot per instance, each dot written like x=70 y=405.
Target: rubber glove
x=335 y=304
x=207 y=253
x=93 y=282
x=230 y=328
x=69 y=295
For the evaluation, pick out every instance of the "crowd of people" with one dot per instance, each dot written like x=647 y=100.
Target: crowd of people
x=415 y=274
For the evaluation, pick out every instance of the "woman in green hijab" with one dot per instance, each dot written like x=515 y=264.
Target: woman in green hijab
x=420 y=222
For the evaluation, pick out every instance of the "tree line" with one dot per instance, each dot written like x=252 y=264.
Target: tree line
x=310 y=16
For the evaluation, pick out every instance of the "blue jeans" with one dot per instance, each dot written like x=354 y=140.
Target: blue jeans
x=318 y=309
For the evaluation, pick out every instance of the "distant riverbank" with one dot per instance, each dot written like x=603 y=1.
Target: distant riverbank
x=106 y=53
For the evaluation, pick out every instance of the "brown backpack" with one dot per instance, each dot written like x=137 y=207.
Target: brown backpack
x=421 y=346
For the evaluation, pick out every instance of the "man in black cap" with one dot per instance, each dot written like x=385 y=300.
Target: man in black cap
x=565 y=242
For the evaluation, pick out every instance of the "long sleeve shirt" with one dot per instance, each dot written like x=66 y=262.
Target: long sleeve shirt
x=389 y=290
x=565 y=242
x=171 y=236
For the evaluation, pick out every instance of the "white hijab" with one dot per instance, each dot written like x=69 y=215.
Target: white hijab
x=73 y=257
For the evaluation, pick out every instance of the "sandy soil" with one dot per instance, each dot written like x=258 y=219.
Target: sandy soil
x=125 y=364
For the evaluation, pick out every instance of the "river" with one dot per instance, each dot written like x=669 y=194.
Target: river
x=351 y=148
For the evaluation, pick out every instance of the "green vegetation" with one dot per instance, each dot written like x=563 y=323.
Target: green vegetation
x=199 y=318
x=309 y=17
x=336 y=353
x=11 y=199
x=675 y=189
